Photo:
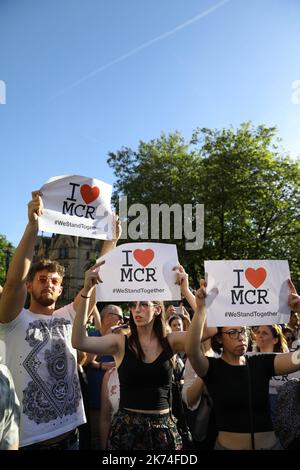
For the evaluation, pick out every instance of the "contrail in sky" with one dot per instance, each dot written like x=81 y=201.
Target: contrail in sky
x=140 y=48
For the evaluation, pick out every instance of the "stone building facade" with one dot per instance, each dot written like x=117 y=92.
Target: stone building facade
x=74 y=253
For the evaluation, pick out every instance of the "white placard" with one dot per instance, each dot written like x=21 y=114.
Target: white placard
x=247 y=292
x=77 y=205
x=139 y=271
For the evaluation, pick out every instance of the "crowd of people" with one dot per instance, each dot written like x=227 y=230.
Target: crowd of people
x=76 y=378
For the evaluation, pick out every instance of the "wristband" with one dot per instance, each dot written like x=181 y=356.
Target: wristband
x=85 y=296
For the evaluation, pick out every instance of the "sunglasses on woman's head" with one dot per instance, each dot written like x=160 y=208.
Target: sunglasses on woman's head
x=143 y=304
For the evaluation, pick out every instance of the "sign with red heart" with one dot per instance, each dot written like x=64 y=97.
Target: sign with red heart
x=144 y=257
x=256 y=277
x=77 y=205
x=139 y=271
x=88 y=193
x=244 y=292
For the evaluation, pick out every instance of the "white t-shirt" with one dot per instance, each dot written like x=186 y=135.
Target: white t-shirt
x=190 y=377
x=38 y=352
x=9 y=410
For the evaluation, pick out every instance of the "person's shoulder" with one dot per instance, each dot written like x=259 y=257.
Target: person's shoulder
x=24 y=313
x=65 y=311
x=216 y=359
x=169 y=340
x=214 y=362
x=261 y=359
x=174 y=336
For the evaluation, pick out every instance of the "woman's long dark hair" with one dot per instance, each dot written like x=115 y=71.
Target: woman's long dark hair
x=159 y=328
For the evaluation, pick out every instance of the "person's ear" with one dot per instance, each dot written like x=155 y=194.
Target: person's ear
x=219 y=339
x=60 y=290
x=29 y=286
x=157 y=310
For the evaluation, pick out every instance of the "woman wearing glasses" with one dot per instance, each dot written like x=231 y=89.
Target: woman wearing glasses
x=144 y=362
x=239 y=387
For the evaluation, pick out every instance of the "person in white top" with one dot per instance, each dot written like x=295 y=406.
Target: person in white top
x=36 y=345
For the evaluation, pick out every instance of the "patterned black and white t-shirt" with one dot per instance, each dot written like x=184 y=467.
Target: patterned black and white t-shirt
x=38 y=351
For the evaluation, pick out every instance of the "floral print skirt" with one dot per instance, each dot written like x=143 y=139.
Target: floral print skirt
x=141 y=431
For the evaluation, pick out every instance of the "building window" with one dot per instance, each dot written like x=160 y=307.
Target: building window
x=63 y=252
x=87 y=255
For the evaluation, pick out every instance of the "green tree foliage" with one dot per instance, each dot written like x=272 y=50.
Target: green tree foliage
x=161 y=171
x=250 y=189
x=6 y=252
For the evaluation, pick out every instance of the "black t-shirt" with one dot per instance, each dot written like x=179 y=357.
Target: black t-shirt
x=228 y=387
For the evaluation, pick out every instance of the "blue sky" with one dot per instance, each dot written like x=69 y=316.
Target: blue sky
x=87 y=77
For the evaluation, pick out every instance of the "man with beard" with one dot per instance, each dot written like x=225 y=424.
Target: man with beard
x=37 y=345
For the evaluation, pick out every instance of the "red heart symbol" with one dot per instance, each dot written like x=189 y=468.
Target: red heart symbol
x=144 y=257
x=88 y=193
x=256 y=276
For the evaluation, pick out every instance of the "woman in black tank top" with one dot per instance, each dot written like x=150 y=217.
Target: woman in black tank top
x=144 y=420
x=239 y=386
x=144 y=361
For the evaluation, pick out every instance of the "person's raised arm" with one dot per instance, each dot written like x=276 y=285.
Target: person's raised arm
x=194 y=334
x=289 y=362
x=294 y=298
x=107 y=344
x=183 y=281
x=286 y=363
x=97 y=318
x=109 y=245
x=14 y=290
x=186 y=319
